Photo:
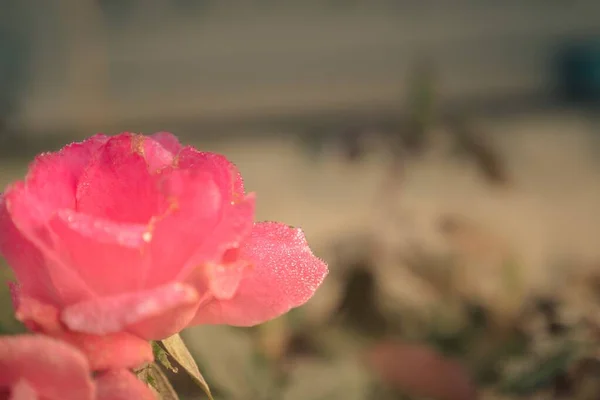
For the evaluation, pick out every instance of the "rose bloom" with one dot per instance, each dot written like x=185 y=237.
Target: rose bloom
x=129 y=237
x=37 y=367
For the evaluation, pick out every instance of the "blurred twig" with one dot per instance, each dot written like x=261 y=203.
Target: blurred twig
x=471 y=142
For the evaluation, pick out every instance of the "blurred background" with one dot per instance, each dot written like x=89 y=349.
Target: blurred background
x=441 y=156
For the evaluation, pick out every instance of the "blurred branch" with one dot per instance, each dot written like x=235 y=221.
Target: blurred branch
x=472 y=142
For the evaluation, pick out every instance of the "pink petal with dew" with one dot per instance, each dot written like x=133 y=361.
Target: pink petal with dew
x=53 y=369
x=170 y=307
x=196 y=208
x=50 y=185
x=156 y=155
x=31 y=218
x=53 y=177
x=284 y=274
x=223 y=171
x=237 y=209
x=115 y=350
x=108 y=255
x=168 y=141
x=117 y=185
x=26 y=261
x=121 y=384
x=234 y=226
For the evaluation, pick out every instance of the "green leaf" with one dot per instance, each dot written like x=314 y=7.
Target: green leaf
x=180 y=353
x=158 y=381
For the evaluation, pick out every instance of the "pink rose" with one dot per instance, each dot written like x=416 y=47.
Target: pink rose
x=37 y=367
x=138 y=237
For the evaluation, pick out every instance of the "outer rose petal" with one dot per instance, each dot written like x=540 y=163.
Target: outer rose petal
x=31 y=218
x=53 y=177
x=117 y=350
x=284 y=274
x=25 y=259
x=223 y=171
x=52 y=368
x=51 y=183
x=121 y=385
x=151 y=314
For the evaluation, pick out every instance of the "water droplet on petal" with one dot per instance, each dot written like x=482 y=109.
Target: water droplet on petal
x=147 y=236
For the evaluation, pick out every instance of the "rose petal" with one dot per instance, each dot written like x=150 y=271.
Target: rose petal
x=235 y=224
x=15 y=291
x=31 y=217
x=237 y=209
x=50 y=184
x=121 y=385
x=168 y=141
x=53 y=177
x=170 y=306
x=25 y=260
x=107 y=255
x=117 y=185
x=156 y=155
x=36 y=315
x=284 y=275
x=52 y=368
x=223 y=171
x=116 y=350
x=22 y=391
x=224 y=279
x=196 y=208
